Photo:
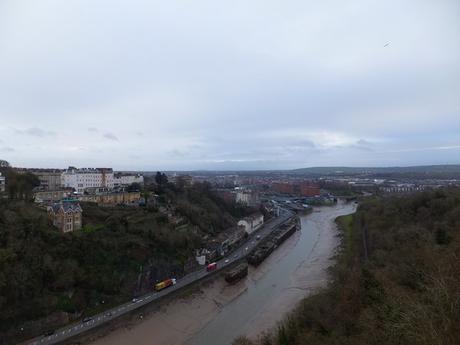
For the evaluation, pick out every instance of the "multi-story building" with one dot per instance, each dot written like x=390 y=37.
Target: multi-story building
x=46 y=196
x=50 y=179
x=247 y=197
x=66 y=216
x=2 y=183
x=251 y=223
x=80 y=179
x=302 y=188
x=123 y=180
x=309 y=189
x=121 y=198
x=283 y=187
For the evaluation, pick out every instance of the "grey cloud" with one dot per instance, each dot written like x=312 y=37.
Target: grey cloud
x=36 y=132
x=6 y=149
x=110 y=136
x=363 y=144
x=263 y=84
x=178 y=153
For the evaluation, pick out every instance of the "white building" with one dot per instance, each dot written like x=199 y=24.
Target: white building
x=252 y=223
x=80 y=179
x=247 y=197
x=122 y=180
x=2 y=183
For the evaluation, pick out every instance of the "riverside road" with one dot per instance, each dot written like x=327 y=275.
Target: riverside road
x=97 y=320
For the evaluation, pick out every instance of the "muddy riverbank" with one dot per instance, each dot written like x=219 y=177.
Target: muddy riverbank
x=219 y=312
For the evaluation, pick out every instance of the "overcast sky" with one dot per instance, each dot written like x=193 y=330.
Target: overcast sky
x=240 y=84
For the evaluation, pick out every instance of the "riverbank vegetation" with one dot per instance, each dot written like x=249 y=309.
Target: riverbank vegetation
x=396 y=280
x=48 y=278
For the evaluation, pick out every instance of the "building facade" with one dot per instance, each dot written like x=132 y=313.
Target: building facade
x=123 y=180
x=309 y=189
x=45 y=196
x=2 y=183
x=80 y=179
x=122 y=198
x=283 y=187
x=49 y=179
x=251 y=223
x=302 y=188
x=66 y=216
x=247 y=198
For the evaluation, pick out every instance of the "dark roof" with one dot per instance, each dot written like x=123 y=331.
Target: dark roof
x=66 y=207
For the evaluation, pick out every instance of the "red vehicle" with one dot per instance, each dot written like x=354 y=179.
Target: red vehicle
x=211 y=267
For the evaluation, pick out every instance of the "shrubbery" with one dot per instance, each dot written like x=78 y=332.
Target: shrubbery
x=43 y=271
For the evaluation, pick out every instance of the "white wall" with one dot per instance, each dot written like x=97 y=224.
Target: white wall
x=80 y=179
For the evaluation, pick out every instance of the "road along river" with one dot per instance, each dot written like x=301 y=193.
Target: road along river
x=221 y=312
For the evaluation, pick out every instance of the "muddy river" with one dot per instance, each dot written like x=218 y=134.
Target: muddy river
x=221 y=312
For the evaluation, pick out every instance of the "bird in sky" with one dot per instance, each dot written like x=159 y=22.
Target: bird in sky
x=386 y=45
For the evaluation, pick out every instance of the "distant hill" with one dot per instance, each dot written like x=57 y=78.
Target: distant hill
x=429 y=170
x=420 y=171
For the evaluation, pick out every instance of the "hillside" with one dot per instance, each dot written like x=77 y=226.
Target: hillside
x=396 y=281
x=44 y=272
x=422 y=171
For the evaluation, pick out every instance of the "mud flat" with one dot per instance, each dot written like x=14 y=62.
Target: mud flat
x=178 y=320
x=219 y=312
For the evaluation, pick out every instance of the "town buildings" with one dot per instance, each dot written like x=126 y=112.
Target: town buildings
x=309 y=189
x=66 y=215
x=112 y=198
x=50 y=179
x=45 y=196
x=80 y=179
x=247 y=197
x=2 y=183
x=252 y=222
x=301 y=188
x=124 y=180
x=283 y=187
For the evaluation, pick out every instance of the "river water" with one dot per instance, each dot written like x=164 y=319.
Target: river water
x=222 y=312
x=267 y=283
